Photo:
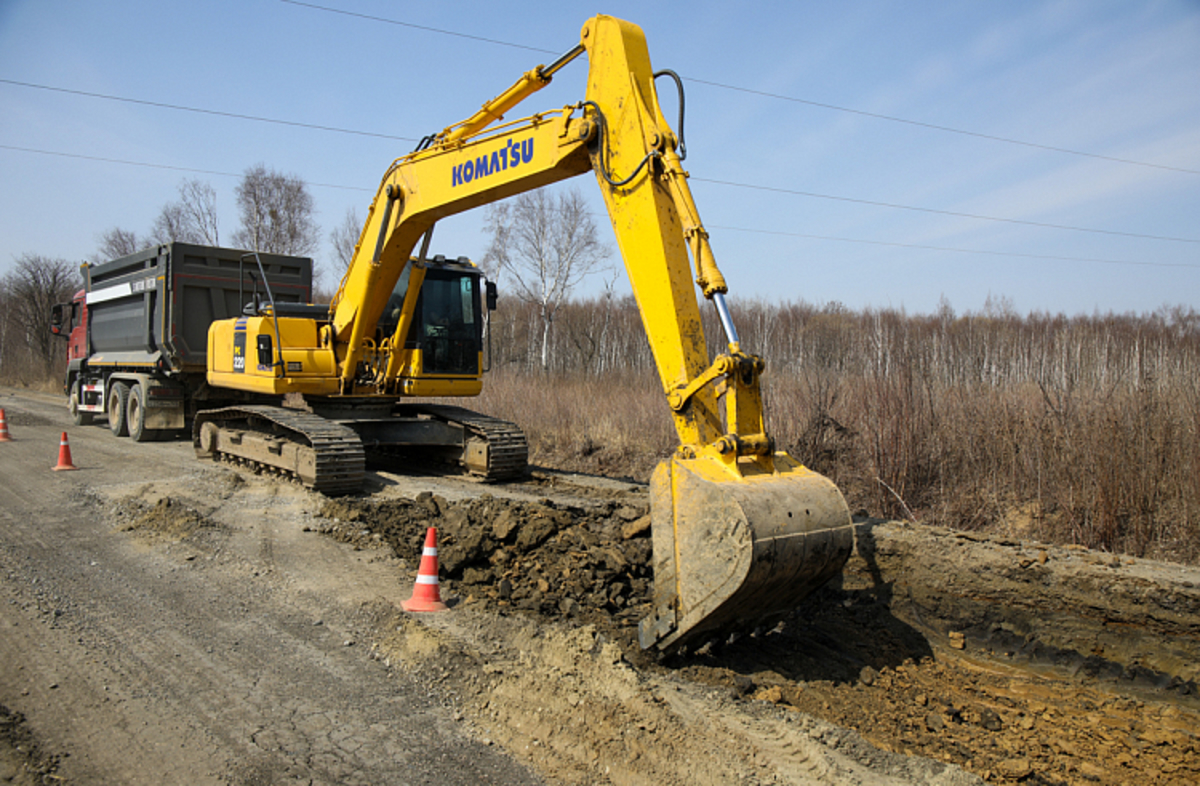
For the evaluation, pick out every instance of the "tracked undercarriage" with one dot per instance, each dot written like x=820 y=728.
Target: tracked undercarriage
x=326 y=449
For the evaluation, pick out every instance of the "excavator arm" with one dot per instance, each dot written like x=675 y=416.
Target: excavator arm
x=740 y=531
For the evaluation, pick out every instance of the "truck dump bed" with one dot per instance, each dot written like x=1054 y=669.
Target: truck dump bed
x=157 y=304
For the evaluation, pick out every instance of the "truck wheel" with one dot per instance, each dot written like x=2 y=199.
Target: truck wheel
x=135 y=416
x=118 y=401
x=77 y=417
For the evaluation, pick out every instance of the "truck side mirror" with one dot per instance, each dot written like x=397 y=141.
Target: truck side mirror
x=56 y=321
x=491 y=295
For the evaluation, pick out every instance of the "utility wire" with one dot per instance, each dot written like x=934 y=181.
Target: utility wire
x=168 y=167
x=814 y=195
x=731 y=184
x=936 y=127
x=921 y=247
x=778 y=96
x=935 y=211
x=198 y=110
x=420 y=27
x=1016 y=254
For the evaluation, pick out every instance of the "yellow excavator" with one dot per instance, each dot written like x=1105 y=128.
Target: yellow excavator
x=741 y=531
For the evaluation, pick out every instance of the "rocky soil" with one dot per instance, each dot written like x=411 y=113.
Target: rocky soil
x=170 y=621
x=1017 y=661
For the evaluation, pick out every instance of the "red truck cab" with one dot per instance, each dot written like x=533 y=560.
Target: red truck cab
x=69 y=320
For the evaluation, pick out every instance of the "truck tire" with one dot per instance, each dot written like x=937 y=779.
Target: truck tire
x=135 y=416
x=77 y=417
x=118 y=402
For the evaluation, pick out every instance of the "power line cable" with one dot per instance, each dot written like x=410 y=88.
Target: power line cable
x=936 y=127
x=777 y=96
x=732 y=184
x=935 y=211
x=811 y=194
x=426 y=28
x=147 y=165
x=921 y=247
x=218 y=113
x=1016 y=254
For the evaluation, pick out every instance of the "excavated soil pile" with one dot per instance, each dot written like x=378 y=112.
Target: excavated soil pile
x=165 y=519
x=586 y=565
x=1019 y=662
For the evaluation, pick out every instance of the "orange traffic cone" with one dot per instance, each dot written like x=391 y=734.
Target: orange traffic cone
x=426 y=596
x=4 y=428
x=64 y=455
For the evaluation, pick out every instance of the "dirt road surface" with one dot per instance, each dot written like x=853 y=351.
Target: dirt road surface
x=164 y=620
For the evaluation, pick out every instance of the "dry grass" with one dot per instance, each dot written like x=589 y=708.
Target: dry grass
x=1083 y=430
x=618 y=427
x=1119 y=472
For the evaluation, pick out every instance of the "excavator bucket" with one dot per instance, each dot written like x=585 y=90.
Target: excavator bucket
x=732 y=548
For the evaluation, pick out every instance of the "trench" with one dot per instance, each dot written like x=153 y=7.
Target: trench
x=1017 y=661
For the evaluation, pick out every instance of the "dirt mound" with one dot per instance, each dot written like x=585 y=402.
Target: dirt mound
x=565 y=700
x=1017 y=661
x=584 y=565
x=165 y=519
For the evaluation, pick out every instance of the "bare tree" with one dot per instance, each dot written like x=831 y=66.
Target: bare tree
x=30 y=289
x=548 y=244
x=276 y=212
x=193 y=219
x=344 y=237
x=171 y=225
x=117 y=242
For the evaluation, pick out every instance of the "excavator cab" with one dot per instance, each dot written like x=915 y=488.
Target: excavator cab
x=448 y=330
x=432 y=323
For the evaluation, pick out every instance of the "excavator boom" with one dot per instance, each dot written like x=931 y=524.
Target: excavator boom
x=741 y=531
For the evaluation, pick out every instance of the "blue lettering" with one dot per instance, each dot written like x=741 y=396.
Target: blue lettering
x=514 y=154
x=481 y=166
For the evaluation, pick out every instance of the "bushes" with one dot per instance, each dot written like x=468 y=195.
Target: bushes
x=1082 y=430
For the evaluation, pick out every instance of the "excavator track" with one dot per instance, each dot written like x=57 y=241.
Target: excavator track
x=323 y=455
x=500 y=446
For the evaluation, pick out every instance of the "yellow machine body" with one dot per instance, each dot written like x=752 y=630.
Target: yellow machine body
x=741 y=531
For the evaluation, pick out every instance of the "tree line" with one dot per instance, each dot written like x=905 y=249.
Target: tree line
x=276 y=213
x=1081 y=429
x=994 y=347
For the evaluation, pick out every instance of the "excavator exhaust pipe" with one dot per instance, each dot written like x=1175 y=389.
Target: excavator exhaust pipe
x=732 y=549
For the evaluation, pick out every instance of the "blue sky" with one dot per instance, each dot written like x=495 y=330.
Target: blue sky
x=829 y=204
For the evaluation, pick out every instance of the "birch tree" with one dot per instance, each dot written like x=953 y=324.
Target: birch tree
x=192 y=219
x=277 y=213
x=546 y=245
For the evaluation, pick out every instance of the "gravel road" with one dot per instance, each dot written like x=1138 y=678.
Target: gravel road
x=165 y=620
x=233 y=658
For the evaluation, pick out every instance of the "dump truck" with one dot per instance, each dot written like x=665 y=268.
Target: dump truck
x=137 y=333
